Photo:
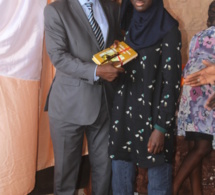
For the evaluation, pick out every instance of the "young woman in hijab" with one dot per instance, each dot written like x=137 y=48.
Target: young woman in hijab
x=143 y=115
x=196 y=122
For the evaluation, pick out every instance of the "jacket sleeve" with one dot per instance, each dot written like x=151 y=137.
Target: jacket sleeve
x=58 y=48
x=171 y=73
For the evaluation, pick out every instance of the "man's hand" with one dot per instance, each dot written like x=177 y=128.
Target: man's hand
x=108 y=71
x=202 y=77
x=156 y=142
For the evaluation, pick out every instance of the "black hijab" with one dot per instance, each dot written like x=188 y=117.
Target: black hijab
x=148 y=27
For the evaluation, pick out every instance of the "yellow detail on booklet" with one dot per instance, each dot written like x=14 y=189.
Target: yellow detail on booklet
x=122 y=53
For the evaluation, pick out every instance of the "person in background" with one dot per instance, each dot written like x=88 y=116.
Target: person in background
x=194 y=120
x=80 y=94
x=143 y=114
x=202 y=77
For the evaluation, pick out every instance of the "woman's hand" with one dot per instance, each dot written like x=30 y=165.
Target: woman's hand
x=210 y=104
x=115 y=44
x=202 y=77
x=156 y=142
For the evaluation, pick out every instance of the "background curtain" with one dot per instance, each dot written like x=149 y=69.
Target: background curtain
x=21 y=40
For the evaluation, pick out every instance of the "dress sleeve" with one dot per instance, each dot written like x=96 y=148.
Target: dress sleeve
x=171 y=78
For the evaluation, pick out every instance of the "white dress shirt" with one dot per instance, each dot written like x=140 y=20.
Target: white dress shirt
x=101 y=19
x=99 y=15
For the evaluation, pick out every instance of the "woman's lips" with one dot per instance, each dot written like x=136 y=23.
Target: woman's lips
x=139 y=3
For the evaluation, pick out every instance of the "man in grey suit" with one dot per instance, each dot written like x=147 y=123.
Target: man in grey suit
x=80 y=94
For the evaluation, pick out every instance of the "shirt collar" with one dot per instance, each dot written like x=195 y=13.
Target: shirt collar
x=82 y=2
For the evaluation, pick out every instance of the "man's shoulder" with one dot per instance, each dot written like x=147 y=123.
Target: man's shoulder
x=58 y=4
x=110 y=4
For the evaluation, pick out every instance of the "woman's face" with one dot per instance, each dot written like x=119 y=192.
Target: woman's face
x=141 y=5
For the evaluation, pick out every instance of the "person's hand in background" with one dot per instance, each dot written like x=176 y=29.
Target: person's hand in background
x=202 y=77
x=210 y=104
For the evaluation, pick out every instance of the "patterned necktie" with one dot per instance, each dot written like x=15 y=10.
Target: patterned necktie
x=96 y=29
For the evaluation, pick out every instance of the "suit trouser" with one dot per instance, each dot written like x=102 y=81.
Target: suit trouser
x=67 y=141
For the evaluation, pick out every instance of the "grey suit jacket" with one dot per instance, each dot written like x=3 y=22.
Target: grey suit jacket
x=74 y=96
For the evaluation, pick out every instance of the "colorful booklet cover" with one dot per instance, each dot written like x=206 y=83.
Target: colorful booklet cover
x=122 y=53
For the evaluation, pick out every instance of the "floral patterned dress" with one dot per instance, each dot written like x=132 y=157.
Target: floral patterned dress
x=146 y=99
x=192 y=116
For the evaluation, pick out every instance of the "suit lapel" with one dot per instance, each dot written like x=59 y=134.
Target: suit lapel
x=76 y=8
x=106 y=11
